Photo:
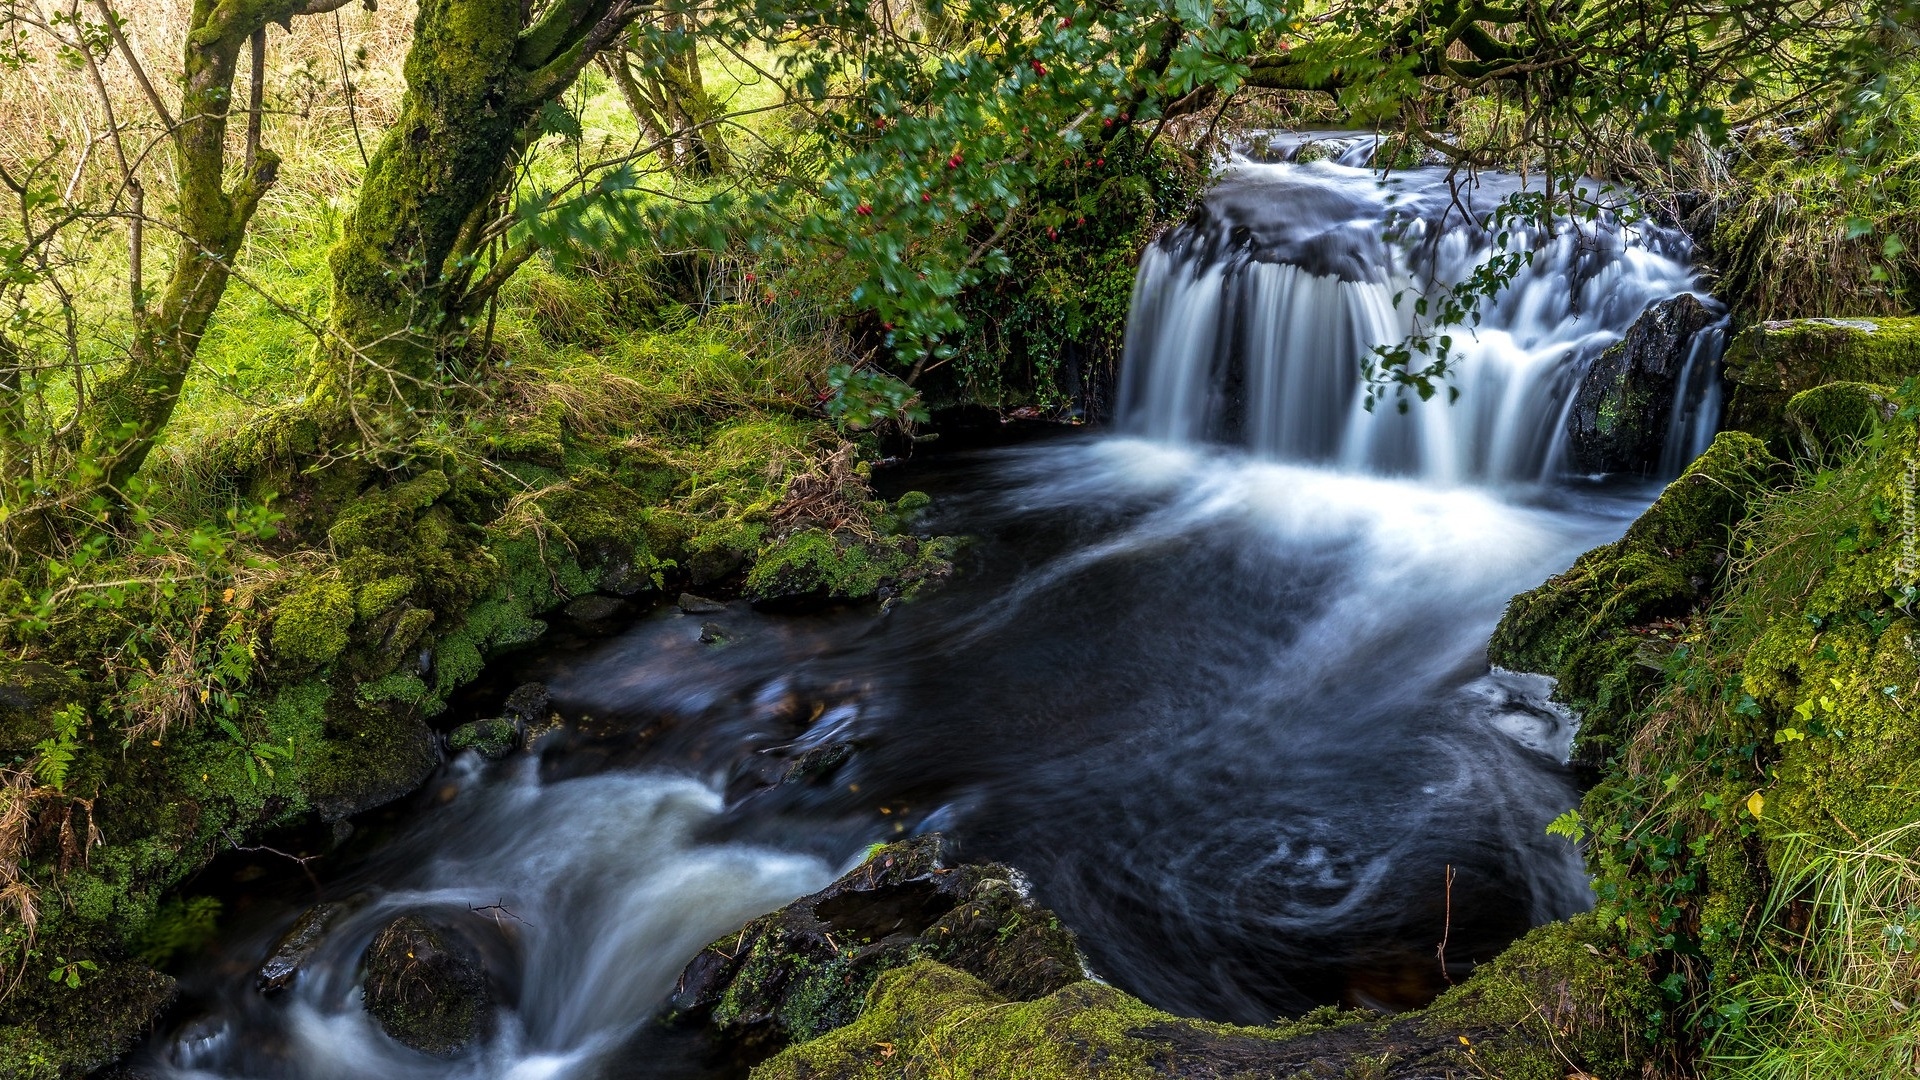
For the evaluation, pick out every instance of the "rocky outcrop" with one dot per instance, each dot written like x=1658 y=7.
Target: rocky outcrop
x=805 y=969
x=426 y=986
x=1586 y=627
x=1552 y=1007
x=1770 y=363
x=1620 y=413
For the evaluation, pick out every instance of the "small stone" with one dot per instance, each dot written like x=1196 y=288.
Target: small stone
x=492 y=739
x=293 y=949
x=593 y=608
x=700 y=605
x=712 y=633
x=529 y=703
x=426 y=987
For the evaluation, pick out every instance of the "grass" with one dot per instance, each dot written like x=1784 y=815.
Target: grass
x=1838 y=995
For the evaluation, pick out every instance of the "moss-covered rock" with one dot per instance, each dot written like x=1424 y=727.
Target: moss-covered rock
x=1771 y=362
x=426 y=987
x=1829 y=419
x=310 y=626
x=1587 y=627
x=492 y=739
x=805 y=969
x=1557 y=1005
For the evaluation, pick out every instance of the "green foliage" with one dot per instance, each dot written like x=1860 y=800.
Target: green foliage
x=864 y=397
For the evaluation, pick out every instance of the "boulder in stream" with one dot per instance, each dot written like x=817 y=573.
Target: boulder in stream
x=1619 y=417
x=426 y=986
x=806 y=968
x=492 y=739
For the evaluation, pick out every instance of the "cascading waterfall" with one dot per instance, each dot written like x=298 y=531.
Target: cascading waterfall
x=1251 y=326
x=1218 y=682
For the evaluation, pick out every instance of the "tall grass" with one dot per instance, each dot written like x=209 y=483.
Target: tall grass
x=1839 y=994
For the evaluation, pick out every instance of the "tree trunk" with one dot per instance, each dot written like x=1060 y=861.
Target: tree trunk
x=129 y=409
x=404 y=272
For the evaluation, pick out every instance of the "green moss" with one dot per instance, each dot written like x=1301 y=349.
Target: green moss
x=494 y=738
x=1584 y=626
x=1563 y=994
x=813 y=562
x=378 y=597
x=1830 y=419
x=1770 y=363
x=310 y=626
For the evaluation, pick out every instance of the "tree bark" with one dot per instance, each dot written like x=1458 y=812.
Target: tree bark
x=477 y=78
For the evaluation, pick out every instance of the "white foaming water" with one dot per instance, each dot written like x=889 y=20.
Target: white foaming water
x=598 y=891
x=1252 y=326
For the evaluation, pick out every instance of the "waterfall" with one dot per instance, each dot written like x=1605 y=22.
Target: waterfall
x=1251 y=324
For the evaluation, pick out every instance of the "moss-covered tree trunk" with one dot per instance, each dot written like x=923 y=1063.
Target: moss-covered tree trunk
x=419 y=254
x=126 y=412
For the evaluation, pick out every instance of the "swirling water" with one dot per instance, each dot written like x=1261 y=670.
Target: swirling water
x=1216 y=681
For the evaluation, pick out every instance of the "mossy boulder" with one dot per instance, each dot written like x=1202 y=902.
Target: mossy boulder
x=86 y=1026
x=426 y=986
x=1620 y=412
x=1829 y=419
x=805 y=969
x=310 y=626
x=1588 y=627
x=1557 y=1005
x=492 y=738
x=1771 y=362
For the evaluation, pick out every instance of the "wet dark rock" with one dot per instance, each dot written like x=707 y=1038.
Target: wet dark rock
x=806 y=969
x=290 y=954
x=492 y=739
x=529 y=703
x=712 y=633
x=817 y=764
x=1619 y=418
x=426 y=986
x=700 y=605
x=595 y=608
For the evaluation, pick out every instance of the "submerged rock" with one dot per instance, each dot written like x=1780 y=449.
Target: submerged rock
x=1619 y=417
x=806 y=968
x=426 y=987
x=294 y=947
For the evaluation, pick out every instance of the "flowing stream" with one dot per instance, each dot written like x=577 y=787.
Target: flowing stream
x=1215 y=680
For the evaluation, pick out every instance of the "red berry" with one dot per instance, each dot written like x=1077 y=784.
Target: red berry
x=886 y=326
x=749 y=279
x=1064 y=23
x=863 y=209
x=1053 y=234
x=1038 y=67
x=1101 y=162
x=1107 y=122
x=926 y=196
x=954 y=162
x=1079 y=221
